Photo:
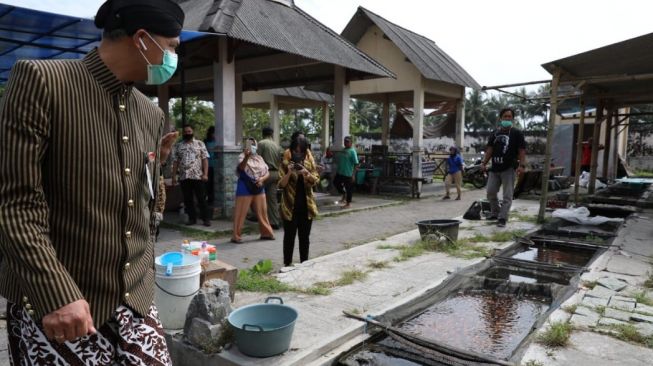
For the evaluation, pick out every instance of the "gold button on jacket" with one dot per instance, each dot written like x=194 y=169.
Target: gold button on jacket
x=63 y=216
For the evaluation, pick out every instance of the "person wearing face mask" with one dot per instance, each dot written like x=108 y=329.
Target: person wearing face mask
x=190 y=160
x=80 y=153
x=454 y=172
x=298 y=176
x=252 y=173
x=506 y=148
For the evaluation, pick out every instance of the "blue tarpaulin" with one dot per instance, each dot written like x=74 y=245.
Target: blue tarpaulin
x=32 y=34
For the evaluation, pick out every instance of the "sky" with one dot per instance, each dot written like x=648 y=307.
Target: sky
x=497 y=41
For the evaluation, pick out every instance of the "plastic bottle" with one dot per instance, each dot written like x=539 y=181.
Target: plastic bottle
x=185 y=246
x=204 y=254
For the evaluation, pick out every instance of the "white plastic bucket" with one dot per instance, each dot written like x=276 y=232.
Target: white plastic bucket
x=174 y=292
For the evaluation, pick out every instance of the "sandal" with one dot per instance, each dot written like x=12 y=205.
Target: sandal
x=236 y=241
x=266 y=238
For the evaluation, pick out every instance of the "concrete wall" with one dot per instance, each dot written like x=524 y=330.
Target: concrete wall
x=641 y=162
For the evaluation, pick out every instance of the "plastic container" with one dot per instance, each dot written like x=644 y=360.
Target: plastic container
x=438 y=229
x=175 y=290
x=263 y=330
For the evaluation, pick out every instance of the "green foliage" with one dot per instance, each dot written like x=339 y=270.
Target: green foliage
x=262 y=267
x=629 y=333
x=251 y=281
x=346 y=278
x=199 y=114
x=378 y=264
x=600 y=309
x=590 y=284
x=254 y=119
x=642 y=298
x=649 y=282
x=533 y=363
x=557 y=335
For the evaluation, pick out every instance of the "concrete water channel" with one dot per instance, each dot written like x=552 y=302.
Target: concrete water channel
x=486 y=313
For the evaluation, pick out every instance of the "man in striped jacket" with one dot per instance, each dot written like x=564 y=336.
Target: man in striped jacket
x=79 y=161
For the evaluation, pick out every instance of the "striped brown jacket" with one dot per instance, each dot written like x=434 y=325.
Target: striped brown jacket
x=74 y=198
x=289 y=191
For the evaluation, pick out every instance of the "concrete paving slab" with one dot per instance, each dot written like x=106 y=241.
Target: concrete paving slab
x=601 y=292
x=610 y=322
x=645 y=309
x=591 y=349
x=593 y=302
x=645 y=329
x=612 y=283
x=616 y=314
x=628 y=266
x=582 y=321
x=622 y=305
x=641 y=318
x=623 y=298
x=585 y=311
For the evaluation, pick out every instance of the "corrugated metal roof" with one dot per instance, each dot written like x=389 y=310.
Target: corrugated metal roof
x=429 y=59
x=610 y=72
x=280 y=27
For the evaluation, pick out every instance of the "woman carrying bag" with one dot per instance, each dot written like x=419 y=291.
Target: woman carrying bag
x=252 y=173
x=298 y=176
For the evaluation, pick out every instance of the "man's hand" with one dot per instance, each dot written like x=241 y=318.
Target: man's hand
x=205 y=177
x=166 y=145
x=484 y=167
x=69 y=322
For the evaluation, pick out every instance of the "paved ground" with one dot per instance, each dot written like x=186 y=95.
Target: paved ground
x=334 y=233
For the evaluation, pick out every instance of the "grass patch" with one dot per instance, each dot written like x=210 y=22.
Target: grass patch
x=316 y=290
x=523 y=218
x=533 y=363
x=600 y=310
x=641 y=298
x=251 y=281
x=570 y=308
x=590 y=284
x=644 y=173
x=649 y=282
x=628 y=333
x=556 y=336
x=387 y=246
x=346 y=278
x=378 y=264
x=594 y=239
x=407 y=252
x=498 y=236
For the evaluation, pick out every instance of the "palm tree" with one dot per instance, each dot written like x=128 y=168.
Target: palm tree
x=476 y=111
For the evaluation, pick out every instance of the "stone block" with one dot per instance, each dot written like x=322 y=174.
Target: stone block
x=585 y=311
x=582 y=321
x=610 y=322
x=641 y=318
x=201 y=332
x=593 y=302
x=616 y=314
x=218 y=270
x=212 y=304
x=623 y=305
x=627 y=266
x=644 y=309
x=612 y=283
x=623 y=298
x=601 y=292
x=645 y=329
x=629 y=291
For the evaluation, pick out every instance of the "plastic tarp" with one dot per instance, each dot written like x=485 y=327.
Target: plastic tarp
x=581 y=215
x=32 y=34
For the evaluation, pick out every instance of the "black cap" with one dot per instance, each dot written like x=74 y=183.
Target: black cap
x=267 y=131
x=161 y=17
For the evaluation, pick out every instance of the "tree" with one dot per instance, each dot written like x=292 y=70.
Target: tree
x=199 y=114
x=476 y=112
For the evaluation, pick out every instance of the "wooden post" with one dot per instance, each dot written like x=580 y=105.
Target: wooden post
x=605 y=173
x=239 y=108
x=615 y=148
x=460 y=123
x=549 y=143
x=163 y=95
x=579 y=149
x=595 y=147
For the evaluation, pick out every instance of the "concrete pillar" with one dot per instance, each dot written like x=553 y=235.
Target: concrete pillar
x=418 y=131
x=163 y=95
x=460 y=123
x=325 y=126
x=385 y=121
x=274 y=119
x=239 y=108
x=341 y=94
x=224 y=101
